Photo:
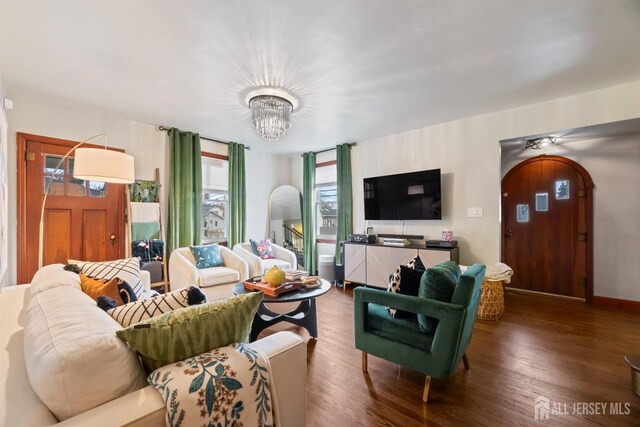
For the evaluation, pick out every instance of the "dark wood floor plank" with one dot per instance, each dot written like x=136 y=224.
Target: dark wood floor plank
x=567 y=351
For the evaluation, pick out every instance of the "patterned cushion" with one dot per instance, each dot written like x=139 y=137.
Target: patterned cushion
x=227 y=386
x=189 y=331
x=262 y=248
x=395 y=284
x=438 y=283
x=207 y=256
x=127 y=270
x=138 y=311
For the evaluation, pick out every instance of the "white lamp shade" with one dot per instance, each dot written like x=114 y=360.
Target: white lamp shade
x=99 y=164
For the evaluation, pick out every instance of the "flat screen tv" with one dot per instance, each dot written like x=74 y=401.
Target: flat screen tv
x=414 y=195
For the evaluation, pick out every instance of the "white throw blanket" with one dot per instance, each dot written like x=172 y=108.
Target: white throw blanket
x=226 y=386
x=498 y=272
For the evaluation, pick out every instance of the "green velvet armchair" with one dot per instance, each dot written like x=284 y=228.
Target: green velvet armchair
x=403 y=342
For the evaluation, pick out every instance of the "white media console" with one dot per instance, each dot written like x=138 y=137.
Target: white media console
x=372 y=264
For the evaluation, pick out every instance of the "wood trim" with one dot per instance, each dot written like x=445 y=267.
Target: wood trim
x=21 y=171
x=624 y=304
x=214 y=155
x=328 y=163
x=333 y=241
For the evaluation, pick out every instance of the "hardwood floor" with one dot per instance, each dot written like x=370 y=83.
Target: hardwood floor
x=564 y=350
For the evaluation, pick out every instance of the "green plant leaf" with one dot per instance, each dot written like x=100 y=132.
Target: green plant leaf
x=210 y=395
x=196 y=384
x=220 y=370
x=231 y=383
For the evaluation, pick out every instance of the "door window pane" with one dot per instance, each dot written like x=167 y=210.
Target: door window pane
x=75 y=187
x=542 y=202
x=97 y=189
x=562 y=189
x=53 y=175
x=522 y=213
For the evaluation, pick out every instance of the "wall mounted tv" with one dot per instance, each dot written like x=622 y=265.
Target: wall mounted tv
x=414 y=195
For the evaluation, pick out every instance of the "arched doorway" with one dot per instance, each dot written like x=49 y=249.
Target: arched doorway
x=547 y=226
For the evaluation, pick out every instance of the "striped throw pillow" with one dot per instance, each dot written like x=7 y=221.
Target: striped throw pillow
x=137 y=311
x=127 y=270
x=189 y=331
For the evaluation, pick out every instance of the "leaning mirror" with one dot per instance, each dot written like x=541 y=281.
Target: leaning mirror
x=285 y=225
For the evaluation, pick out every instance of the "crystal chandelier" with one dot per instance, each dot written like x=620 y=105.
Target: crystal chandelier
x=270 y=115
x=271 y=109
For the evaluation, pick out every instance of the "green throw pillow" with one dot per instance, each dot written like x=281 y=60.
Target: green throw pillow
x=207 y=256
x=189 y=331
x=437 y=283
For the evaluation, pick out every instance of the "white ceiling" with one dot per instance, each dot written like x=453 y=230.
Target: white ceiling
x=362 y=69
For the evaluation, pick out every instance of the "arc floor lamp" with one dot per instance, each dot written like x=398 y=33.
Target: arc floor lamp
x=91 y=164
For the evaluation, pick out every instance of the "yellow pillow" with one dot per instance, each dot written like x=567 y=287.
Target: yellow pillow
x=98 y=287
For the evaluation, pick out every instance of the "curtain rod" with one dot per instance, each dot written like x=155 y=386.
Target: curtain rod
x=351 y=144
x=166 y=129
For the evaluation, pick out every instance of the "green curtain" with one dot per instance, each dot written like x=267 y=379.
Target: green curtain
x=345 y=201
x=309 y=211
x=185 y=190
x=237 y=195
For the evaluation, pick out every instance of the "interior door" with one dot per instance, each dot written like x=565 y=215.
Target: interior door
x=547 y=226
x=82 y=219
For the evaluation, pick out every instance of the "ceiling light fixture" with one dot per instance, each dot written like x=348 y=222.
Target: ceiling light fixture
x=271 y=110
x=538 y=143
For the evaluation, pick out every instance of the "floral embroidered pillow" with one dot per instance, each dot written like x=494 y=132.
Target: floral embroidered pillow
x=262 y=248
x=207 y=256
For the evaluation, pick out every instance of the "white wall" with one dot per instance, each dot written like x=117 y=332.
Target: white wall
x=614 y=165
x=148 y=145
x=468 y=153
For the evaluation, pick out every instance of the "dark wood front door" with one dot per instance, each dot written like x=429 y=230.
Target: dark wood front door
x=547 y=226
x=82 y=219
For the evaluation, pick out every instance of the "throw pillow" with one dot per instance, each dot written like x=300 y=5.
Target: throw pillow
x=127 y=270
x=96 y=288
x=138 y=311
x=262 y=248
x=72 y=356
x=438 y=283
x=394 y=280
x=207 y=256
x=409 y=285
x=192 y=330
x=127 y=293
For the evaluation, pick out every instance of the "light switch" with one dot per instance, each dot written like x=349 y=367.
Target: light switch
x=474 y=212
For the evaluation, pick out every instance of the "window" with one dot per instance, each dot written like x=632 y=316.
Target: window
x=326 y=201
x=59 y=180
x=215 y=199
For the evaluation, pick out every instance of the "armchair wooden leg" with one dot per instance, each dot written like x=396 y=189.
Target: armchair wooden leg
x=425 y=393
x=364 y=362
x=465 y=360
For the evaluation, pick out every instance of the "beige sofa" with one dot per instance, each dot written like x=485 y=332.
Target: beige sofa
x=215 y=282
x=20 y=405
x=284 y=258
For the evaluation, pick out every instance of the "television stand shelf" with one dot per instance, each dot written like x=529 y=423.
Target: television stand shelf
x=372 y=264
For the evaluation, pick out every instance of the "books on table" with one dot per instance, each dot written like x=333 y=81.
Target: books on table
x=293 y=274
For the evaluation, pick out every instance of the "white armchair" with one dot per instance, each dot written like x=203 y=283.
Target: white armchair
x=215 y=282
x=284 y=258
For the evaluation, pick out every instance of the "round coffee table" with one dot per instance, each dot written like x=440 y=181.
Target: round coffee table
x=304 y=315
